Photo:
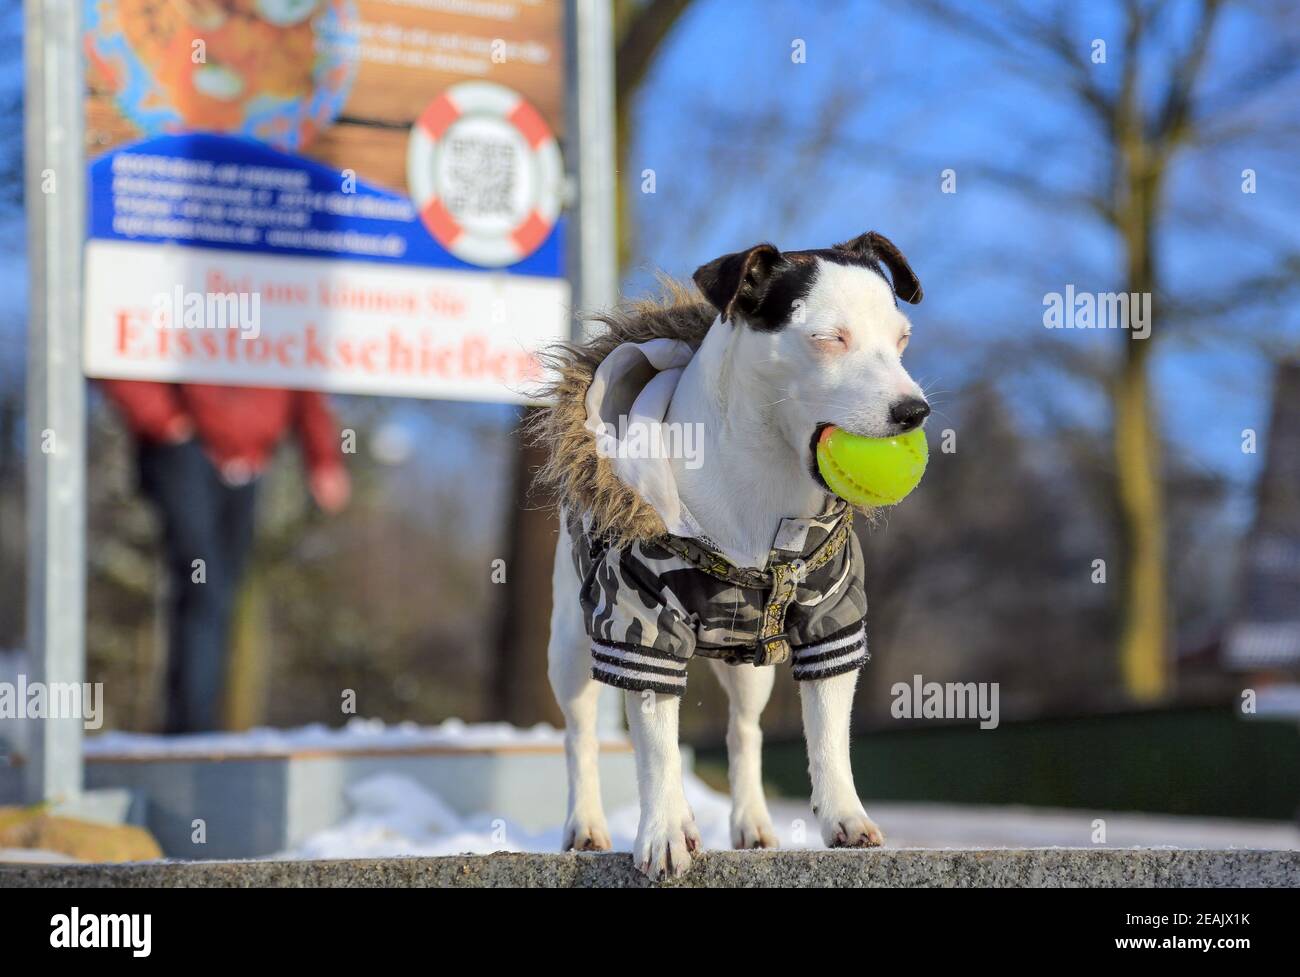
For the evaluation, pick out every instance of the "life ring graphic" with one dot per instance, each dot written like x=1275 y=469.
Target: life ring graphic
x=484 y=169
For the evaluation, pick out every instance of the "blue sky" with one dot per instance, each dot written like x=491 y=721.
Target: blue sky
x=13 y=259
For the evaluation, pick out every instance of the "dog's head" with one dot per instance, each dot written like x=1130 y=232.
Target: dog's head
x=822 y=336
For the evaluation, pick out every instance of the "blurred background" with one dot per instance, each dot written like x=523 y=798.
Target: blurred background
x=1009 y=157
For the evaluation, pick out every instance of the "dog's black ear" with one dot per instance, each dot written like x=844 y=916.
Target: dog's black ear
x=877 y=247
x=737 y=282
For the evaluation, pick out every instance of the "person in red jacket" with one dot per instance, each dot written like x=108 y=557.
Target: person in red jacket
x=201 y=448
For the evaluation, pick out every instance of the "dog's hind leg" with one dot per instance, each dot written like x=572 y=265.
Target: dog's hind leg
x=666 y=833
x=569 y=667
x=827 y=707
x=748 y=689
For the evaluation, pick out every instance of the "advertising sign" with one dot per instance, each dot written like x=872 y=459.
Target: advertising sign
x=359 y=196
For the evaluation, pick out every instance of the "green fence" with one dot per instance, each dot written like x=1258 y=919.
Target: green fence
x=1199 y=761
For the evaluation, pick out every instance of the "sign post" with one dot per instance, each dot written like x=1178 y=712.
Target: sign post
x=591 y=79
x=56 y=390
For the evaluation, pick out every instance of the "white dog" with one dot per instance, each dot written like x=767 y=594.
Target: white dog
x=734 y=550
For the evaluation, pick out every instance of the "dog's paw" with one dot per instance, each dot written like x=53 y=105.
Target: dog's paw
x=752 y=829
x=852 y=830
x=586 y=834
x=663 y=847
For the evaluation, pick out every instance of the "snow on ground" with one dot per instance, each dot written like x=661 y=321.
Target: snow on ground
x=913 y=825
x=356 y=734
x=392 y=814
x=35 y=855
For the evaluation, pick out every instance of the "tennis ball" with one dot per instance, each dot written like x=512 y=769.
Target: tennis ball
x=871 y=471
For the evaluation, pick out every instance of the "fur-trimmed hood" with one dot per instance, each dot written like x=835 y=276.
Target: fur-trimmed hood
x=576 y=473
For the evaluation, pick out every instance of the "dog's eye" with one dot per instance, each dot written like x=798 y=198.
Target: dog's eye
x=831 y=342
x=902 y=342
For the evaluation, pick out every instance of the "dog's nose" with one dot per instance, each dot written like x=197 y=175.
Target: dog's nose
x=909 y=412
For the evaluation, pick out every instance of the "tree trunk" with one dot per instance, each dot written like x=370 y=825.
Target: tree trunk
x=622 y=204
x=247 y=673
x=520 y=691
x=1144 y=622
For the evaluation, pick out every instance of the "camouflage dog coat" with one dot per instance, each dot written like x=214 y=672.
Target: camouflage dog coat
x=650 y=605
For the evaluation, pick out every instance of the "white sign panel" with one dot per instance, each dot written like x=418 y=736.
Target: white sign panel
x=162 y=312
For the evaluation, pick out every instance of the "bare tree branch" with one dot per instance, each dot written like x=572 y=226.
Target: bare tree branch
x=1234 y=96
x=1272 y=287
x=1006 y=36
x=735 y=129
x=647 y=25
x=1173 y=122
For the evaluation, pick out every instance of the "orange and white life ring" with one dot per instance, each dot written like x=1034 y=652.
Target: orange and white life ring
x=484 y=169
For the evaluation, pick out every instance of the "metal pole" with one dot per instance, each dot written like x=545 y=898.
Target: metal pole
x=56 y=388
x=590 y=139
x=592 y=109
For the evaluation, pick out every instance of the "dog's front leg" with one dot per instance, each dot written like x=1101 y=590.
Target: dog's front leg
x=827 y=707
x=666 y=834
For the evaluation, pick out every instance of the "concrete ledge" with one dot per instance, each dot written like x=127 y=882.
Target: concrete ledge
x=1037 y=867
x=255 y=805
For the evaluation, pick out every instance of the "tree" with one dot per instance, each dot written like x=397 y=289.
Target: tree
x=1157 y=111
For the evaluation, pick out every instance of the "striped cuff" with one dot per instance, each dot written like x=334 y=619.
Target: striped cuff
x=843 y=651
x=637 y=668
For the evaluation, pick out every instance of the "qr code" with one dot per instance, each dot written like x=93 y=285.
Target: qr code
x=481 y=177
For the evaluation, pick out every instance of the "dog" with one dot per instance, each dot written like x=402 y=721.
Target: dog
x=736 y=551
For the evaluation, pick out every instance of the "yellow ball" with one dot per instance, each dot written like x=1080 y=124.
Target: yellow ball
x=871 y=471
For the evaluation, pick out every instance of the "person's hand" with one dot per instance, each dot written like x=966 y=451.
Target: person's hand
x=178 y=430
x=330 y=487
